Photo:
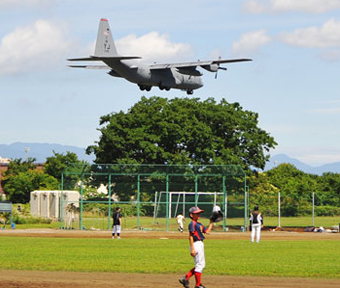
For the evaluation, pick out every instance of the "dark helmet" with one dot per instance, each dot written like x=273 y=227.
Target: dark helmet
x=195 y=210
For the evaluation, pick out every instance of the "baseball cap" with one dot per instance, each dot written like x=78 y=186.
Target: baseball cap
x=195 y=210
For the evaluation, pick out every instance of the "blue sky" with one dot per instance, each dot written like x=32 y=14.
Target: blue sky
x=293 y=81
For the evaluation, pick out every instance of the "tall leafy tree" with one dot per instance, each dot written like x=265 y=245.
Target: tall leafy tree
x=56 y=164
x=181 y=131
x=22 y=177
x=19 y=186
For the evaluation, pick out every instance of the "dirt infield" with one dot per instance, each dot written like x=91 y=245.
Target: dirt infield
x=43 y=279
x=265 y=235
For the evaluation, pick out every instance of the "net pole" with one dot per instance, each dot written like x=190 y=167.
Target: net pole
x=167 y=202
x=138 y=202
x=110 y=192
x=224 y=204
x=170 y=204
x=178 y=198
x=155 y=208
x=184 y=204
x=196 y=189
x=81 y=202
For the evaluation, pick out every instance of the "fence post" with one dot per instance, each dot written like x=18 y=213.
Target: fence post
x=279 y=207
x=313 y=208
x=110 y=192
x=138 y=201
x=224 y=204
x=167 y=202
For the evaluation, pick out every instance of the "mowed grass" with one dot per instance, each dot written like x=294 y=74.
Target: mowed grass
x=319 y=259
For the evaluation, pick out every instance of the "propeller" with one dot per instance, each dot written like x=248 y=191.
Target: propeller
x=219 y=68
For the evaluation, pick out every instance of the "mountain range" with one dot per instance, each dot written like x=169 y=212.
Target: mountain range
x=40 y=151
x=278 y=159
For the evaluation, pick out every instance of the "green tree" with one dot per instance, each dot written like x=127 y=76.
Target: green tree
x=263 y=194
x=17 y=165
x=19 y=186
x=56 y=164
x=296 y=189
x=182 y=131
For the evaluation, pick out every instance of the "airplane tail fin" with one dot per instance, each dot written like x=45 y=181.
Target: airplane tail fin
x=105 y=46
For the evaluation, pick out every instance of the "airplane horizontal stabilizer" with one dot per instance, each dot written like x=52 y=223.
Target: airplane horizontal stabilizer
x=115 y=58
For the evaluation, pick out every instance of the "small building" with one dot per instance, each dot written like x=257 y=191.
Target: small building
x=49 y=204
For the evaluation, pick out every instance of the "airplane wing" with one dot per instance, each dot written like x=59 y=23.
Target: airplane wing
x=103 y=67
x=189 y=68
x=196 y=63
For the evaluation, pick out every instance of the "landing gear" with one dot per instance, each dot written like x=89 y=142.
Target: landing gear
x=190 y=92
x=143 y=87
x=163 y=88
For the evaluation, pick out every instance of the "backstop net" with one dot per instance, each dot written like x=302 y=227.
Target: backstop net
x=151 y=196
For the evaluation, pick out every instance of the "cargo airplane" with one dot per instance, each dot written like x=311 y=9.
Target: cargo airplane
x=184 y=76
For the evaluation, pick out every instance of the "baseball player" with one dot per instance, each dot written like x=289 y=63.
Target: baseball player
x=117 y=222
x=256 y=222
x=196 y=237
x=180 y=219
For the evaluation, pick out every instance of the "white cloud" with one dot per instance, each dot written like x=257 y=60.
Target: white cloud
x=153 y=47
x=328 y=35
x=283 y=6
x=250 y=43
x=36 y=46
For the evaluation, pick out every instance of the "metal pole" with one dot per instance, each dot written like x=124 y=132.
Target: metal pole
x=81 y=203
x=313 y=208
x=279 y=207
x=196 y=189
x=155 y=208
x=246 y=203
x=170 y=203
x=138 y=202
x=184 y=204
x=61 y=206
x=167 y=202
x=109 y=224
x=224 y=204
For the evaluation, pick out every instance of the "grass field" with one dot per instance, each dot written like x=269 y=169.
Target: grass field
x=319 y=259
x=160 y=223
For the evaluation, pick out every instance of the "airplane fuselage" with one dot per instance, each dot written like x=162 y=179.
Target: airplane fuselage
x=139 y=73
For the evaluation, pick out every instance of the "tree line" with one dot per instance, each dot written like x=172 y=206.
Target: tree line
x=188 y=131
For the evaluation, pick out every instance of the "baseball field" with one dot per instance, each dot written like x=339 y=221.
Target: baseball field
x=55 y=258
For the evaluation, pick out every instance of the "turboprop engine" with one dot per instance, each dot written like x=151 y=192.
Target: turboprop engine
x=211 y=67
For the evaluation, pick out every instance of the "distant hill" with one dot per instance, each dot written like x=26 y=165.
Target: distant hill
x=319 y=170
x=41 y=151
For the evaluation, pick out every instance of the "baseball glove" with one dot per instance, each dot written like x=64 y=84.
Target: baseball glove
x=216 y=215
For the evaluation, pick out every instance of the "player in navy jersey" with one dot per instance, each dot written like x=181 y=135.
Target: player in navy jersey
x=196 y=237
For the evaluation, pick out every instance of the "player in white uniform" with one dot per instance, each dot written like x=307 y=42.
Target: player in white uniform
x=117 y=222
x=256 y=222
x=180 y=219
x=196 y=237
